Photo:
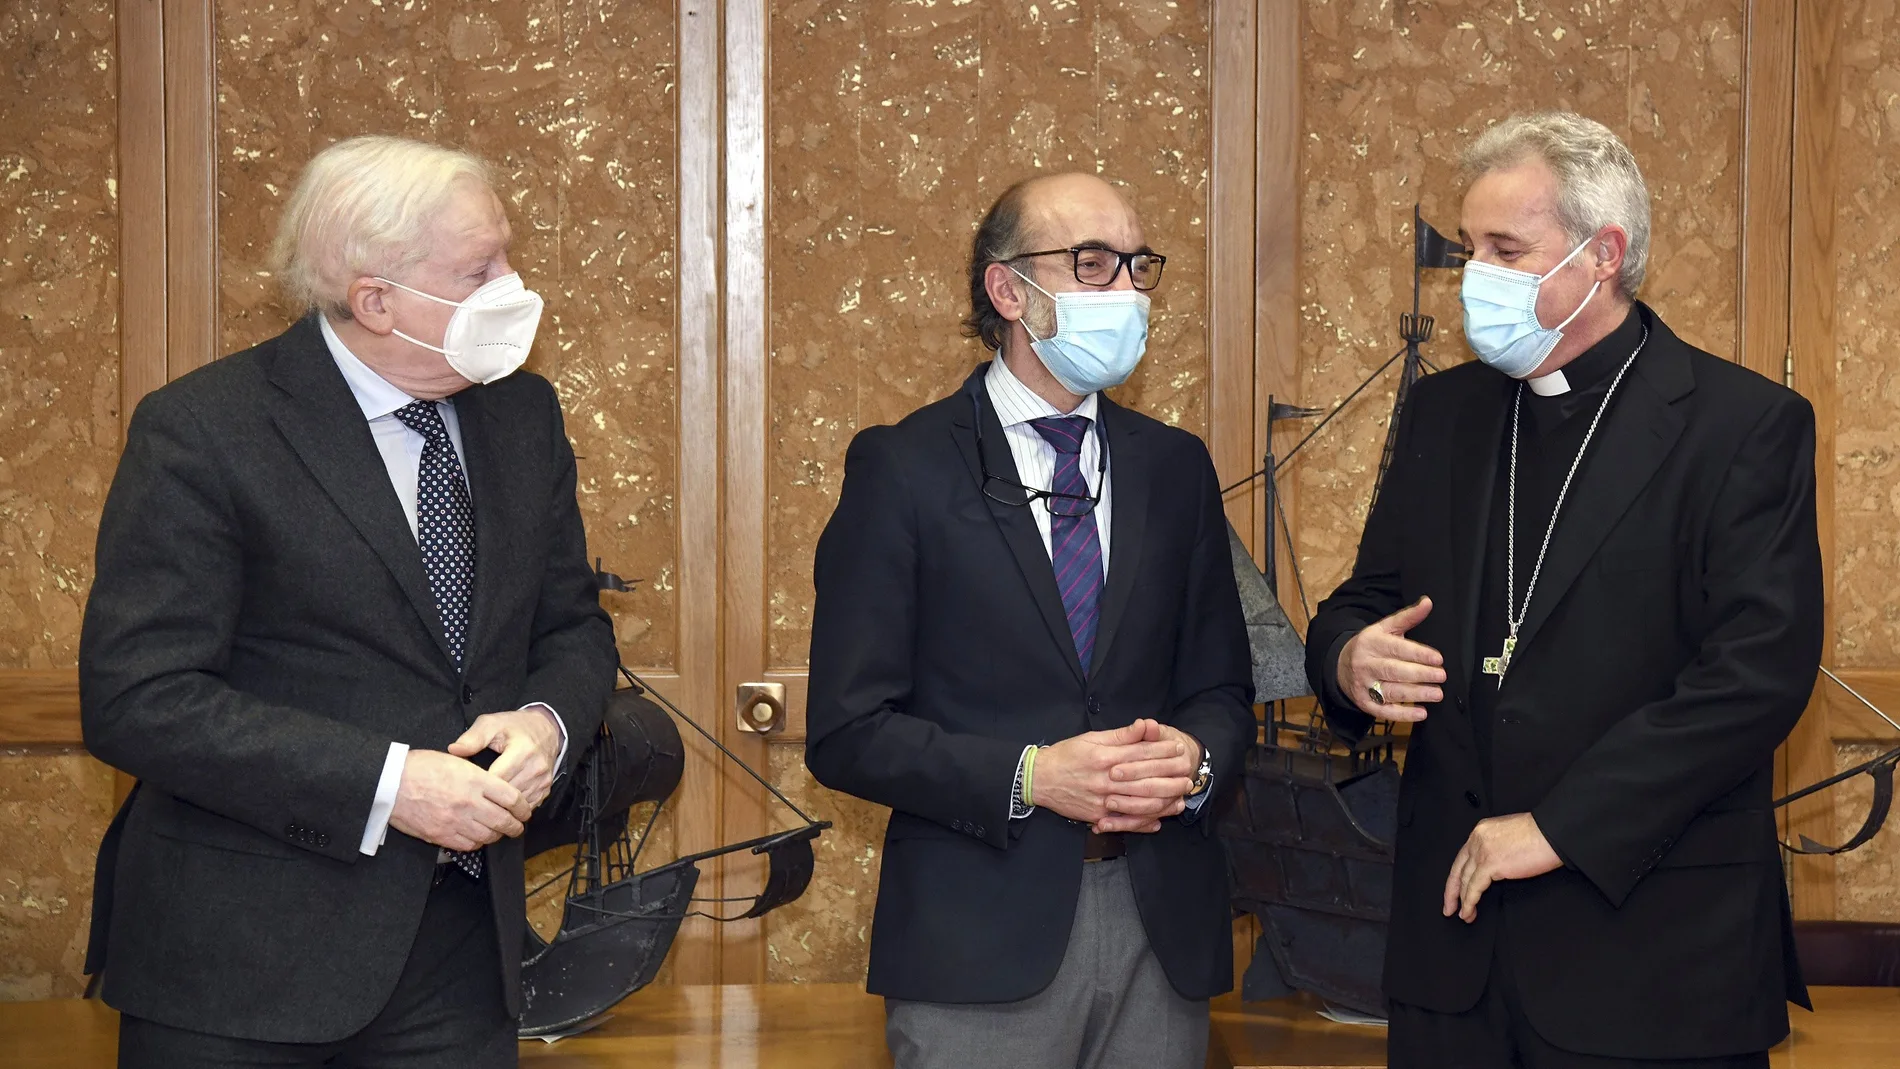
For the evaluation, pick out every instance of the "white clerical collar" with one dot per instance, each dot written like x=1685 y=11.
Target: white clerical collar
x=1550 y=385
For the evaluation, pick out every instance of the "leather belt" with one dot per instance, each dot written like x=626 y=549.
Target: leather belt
x=1104 y=847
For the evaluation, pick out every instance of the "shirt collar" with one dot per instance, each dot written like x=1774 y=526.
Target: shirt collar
x=1016 y=403
x=373 y=393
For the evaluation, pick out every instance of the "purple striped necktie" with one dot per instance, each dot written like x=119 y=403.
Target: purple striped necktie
x=1075 y=548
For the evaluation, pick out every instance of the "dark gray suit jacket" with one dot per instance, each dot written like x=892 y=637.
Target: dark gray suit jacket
x=260 y=629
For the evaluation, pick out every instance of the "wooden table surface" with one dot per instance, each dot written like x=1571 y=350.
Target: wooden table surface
x=838 y=1026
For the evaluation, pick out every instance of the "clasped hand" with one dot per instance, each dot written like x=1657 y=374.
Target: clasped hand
x=450 y=801
x=1127 y=779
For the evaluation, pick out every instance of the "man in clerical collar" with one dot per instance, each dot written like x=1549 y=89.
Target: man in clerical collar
x=1592 y=586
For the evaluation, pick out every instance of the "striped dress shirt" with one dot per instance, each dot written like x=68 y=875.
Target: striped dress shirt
x=1015 y=406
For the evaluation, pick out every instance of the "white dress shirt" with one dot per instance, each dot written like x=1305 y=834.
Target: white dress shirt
x=402 y=457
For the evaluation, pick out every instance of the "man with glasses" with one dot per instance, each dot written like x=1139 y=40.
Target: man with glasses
x=1027 y=642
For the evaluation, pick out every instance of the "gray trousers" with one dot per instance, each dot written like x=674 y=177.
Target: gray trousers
x=1110 y=1006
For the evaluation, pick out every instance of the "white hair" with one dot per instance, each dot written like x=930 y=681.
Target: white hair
x=1598 y=182
x=363 y=207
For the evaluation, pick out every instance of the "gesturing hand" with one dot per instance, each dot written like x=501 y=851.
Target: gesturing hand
x=1408 y=672
x=1074 y=777
x=1499 y=848
x=445 y=800
x=528 y=743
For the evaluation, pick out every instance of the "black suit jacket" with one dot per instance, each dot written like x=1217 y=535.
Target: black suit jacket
x=940 y=649
x=1671 y=645
x=259 y=631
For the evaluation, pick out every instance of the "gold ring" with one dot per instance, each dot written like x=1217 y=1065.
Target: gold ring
x=1377 y=690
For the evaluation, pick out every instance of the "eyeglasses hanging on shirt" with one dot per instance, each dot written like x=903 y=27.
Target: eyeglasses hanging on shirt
x=1010 y=492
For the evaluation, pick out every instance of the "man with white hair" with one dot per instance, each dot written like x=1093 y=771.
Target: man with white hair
x=342 y=630
x=1592 y=585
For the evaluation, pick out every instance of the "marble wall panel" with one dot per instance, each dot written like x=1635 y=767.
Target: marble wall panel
x=1392 y=93
x=53 y=809
x=59 y=440
x=1867 y=880
x=1867 y=337
x=59 y=350
x=892 y=128
x=573 y=103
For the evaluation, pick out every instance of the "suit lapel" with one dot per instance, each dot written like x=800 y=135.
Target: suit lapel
x=1477 y=444
x=319 y=417
x=1014 y=521
x=1128 y=473
x=491 y=491
x=1635 y=437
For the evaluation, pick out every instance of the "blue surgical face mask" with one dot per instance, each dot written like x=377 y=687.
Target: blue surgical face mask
x=1501 y=315
x=1100 y=337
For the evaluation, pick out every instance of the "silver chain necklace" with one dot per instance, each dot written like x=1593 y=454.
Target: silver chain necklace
x=1515 y=614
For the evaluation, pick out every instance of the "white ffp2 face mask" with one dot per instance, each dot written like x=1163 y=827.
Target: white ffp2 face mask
x=1100 y=337
x=489 y=335
x=1501 y=315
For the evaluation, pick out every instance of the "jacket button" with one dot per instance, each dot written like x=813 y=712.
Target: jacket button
x=468 y=695
x=980 y=830
x=1095 y=706
x=1472 y=797
x=323 y=839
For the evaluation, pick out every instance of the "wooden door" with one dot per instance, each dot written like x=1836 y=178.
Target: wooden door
x=1843 y=281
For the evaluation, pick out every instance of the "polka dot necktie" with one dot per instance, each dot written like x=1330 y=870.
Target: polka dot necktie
x=1075 y=548
x=445 y=529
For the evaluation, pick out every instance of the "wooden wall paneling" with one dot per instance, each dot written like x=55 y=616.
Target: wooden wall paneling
x=696 y=951
x=39 y=707
x=1230 y=263
x=143 y=303
x=191 y=197
x=1817 y=77
x=1767 y=185
x=744 y=428
x=1850 y=721
x=141 y=43
x=1767 y=191
x=1277 y=254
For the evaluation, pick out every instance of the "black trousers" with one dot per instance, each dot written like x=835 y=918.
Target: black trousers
x=447 y=1010
x=1495 y=1034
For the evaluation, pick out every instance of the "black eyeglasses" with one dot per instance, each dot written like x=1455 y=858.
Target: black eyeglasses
x=1096 y=266
x=1010 y=492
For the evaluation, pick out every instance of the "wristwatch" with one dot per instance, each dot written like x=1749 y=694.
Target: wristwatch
x=1204 y=774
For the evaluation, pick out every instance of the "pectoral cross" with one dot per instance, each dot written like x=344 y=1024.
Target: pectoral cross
x=1497 y=666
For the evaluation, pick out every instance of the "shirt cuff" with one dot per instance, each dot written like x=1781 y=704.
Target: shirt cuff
x=378 y=827
x=560 y=760
x=1194 y=803
x=1018 y=809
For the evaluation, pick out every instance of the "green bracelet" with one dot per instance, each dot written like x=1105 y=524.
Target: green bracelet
x=1029 y=772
